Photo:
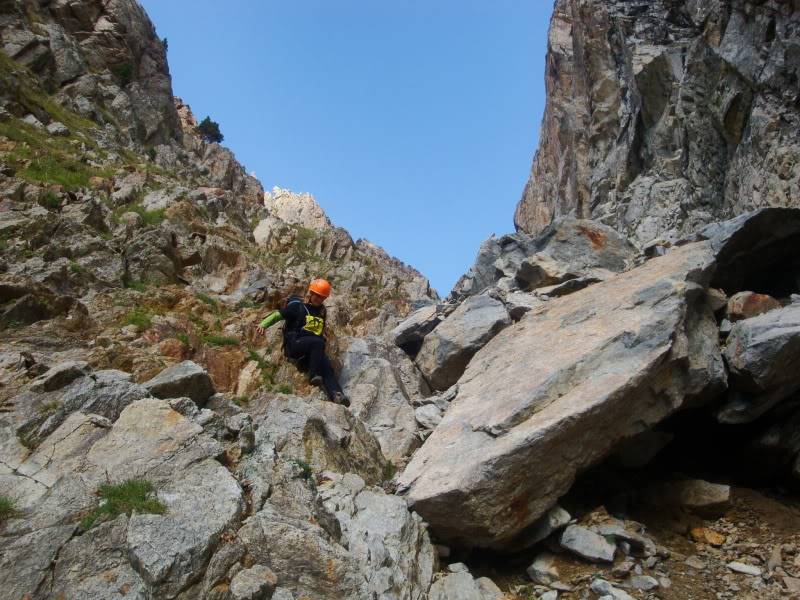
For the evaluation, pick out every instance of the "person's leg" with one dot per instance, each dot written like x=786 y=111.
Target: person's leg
x=329 y=377
x=311 y=347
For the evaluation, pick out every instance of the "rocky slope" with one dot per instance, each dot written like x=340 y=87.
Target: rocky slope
x=136 y=260
x=571 y=422
x=665 y=116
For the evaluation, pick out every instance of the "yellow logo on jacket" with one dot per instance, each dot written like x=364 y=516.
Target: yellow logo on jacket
x=314 y=324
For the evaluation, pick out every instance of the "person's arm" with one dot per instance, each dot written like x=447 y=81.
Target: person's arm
x=274 y=317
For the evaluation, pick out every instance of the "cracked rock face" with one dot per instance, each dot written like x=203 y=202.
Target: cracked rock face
x=97 y=53
x=609 y=362
x=382 y=383
x=662 y=117
x=585 y=372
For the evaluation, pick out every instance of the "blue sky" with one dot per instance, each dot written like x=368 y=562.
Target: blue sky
x=413 y=122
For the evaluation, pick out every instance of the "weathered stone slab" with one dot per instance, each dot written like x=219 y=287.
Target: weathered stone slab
x=763 y=354
x=447 y=349
x=184 y=379
x=587 y=544
x=382 y=382
x=557 y=391
x=321 y=434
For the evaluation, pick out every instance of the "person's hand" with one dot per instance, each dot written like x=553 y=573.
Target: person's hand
x=260 y=330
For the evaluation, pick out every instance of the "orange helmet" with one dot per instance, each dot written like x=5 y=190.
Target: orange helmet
x=320 y=287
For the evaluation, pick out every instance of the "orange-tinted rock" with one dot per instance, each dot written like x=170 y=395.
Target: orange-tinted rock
x=707 y=536
x=224 y=365
x=173 y=348
x=749 y=304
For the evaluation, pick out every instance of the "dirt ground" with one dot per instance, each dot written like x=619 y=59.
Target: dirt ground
x=760 y=529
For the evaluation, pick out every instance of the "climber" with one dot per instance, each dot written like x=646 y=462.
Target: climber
x=304 y=337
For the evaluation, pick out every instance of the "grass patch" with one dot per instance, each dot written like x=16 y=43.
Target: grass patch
x=139 y=286
x=26 y=439
x=220 y=340
x=305 y=469
x=208 y=300
x=76 y=268
x=246 y=303
x=149 y=217
x=240 y=400
x=7 y=508
x=41 y=158
x=125 y=498
x=183 y=338
x=139 y=317
x=284 y=389
x=50 y=201
x=389 y=471
x=59 y=170
x=45 y=410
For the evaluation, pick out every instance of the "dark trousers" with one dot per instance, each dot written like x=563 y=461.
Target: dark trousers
x=312 y=349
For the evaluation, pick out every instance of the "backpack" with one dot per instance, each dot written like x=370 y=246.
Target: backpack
x=286 y=334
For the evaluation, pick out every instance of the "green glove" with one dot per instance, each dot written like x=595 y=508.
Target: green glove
x=271 y=319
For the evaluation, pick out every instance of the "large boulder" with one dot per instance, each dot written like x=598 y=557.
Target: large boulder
x=763 y=354
x=554 y=393
x=144 y=554
x=447 y=349
x=382 y=383
x=357 y=542
x=95 y=565
x=462 y=586
x=186 y=379
x=316 y=434
x=410 y=332
x=170 y=551
x=582 y=373
x=567 y=249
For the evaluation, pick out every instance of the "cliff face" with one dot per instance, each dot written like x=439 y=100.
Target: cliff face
x=662 y=116
x=102 y=59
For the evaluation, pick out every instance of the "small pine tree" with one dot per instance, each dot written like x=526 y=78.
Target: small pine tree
x=209 y=130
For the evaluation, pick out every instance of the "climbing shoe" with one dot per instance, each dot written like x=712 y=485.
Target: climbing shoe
x=340 y=398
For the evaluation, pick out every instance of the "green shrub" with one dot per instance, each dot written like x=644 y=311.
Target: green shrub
x=220 y=340
x=139 y=317
x=139 y=286
x=240 y=400
x=50 y=201
x=207 y=299
x=149 y=217
x=124 y=498
x=125 y=73
x=284 y=389
x=76 y=268
x=209 y=131
x=389 y=471
x=267 y=369
x=7 y=509
x=184 y=339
